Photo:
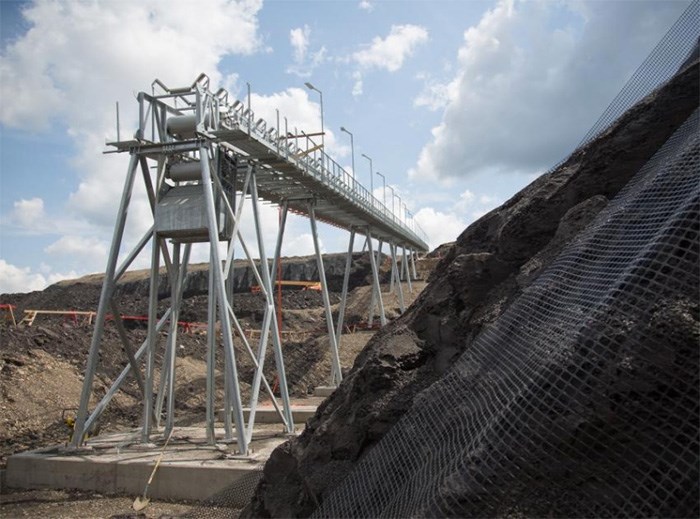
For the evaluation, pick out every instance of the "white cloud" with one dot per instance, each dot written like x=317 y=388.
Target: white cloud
x=531 y=78
x=78 y=58
x=304 y=62
x=435 y=95
x=441 y=227
x=28 y=213
x=299 y=39
x=389 y=53
x=366 y=5
x=89 y=250
x=15 y=279
x=466 y=199
x=357 y=83
x=300 y=245
x=302 y=114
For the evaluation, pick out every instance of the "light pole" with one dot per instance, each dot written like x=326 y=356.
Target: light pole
x=384 y=190
x=371 y=176
x=393 y=195
x=397 y=196
x=352 y=148
x=323 y=133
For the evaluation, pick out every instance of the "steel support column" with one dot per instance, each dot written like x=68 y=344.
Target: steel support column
x=407 y=274
x=395 y=269
x=336 y=370
x=375 y=289
x=375 y=279
x=344 y=295
x=152 y=339
x=231 y=370
x=105 y=296
x=413 y=264
x=211 y=358
x=269 y=318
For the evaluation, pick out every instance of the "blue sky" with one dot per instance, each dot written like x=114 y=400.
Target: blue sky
x=459 y=103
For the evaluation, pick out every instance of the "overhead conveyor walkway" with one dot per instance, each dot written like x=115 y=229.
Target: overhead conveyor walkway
x=207 y=165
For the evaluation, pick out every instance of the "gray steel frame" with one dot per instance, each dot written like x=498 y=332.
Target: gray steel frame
x=277 y=169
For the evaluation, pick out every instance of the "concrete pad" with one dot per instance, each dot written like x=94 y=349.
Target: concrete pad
x=324 y=391
x=190 y=469
x=268 y=414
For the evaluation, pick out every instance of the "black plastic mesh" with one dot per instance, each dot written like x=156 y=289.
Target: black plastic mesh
x=582 y=399
x=230 y=501
x=670 y=55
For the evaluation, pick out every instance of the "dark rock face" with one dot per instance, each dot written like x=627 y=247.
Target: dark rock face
x=476 y=281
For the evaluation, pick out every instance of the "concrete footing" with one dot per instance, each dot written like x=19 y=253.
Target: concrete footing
x=190 y=469
x=324 y=391
x=268 y=415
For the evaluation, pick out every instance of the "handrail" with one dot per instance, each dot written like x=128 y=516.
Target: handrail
x=320 y=165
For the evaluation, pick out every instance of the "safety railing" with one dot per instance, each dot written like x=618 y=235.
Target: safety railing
x=311 y=159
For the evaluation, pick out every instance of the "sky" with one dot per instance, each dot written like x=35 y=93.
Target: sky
x=459 y=104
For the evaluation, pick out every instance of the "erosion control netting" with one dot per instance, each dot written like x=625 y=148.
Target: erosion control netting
x=582 y=399
x=673 y=52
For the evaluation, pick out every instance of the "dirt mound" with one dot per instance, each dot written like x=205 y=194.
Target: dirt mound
x=476 y=281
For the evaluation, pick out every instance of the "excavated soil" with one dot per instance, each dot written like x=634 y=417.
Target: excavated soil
x=41 y=370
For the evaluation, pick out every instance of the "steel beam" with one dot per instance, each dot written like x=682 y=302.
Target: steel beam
x=211 y=358
x=270 y=317
x=375 y=289
x=105 y=296
x=119 y=324
x=231 y=370
x=336 y=370
x=100 y=407
x=375 y=279
x=152 y=339
x=404 y=268
x=344 y=295
x=413 y=264
x=395 y=269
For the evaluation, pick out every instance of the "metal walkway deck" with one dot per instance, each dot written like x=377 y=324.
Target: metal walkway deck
x=293 y=171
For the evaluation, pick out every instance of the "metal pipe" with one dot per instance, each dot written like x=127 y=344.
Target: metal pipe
x=373 y=301
x=371 y=179
x=404 y=267
x=276 y=343
x=413 y=264
x=344 y=296
x=384 y=189
x=395 y=267
x=172 y=338
x=119 y=324
x=375 y=279
x=105 y=296
x=100 y=407
x=134 y=253
x=221 y=293
x=152 y=339
x=336 y=371
x=352 y=149
x=211 y=357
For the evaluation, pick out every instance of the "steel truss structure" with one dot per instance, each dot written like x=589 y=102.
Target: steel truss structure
x=209 y=157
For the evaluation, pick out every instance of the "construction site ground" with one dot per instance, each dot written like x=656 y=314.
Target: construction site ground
x=41 y=370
